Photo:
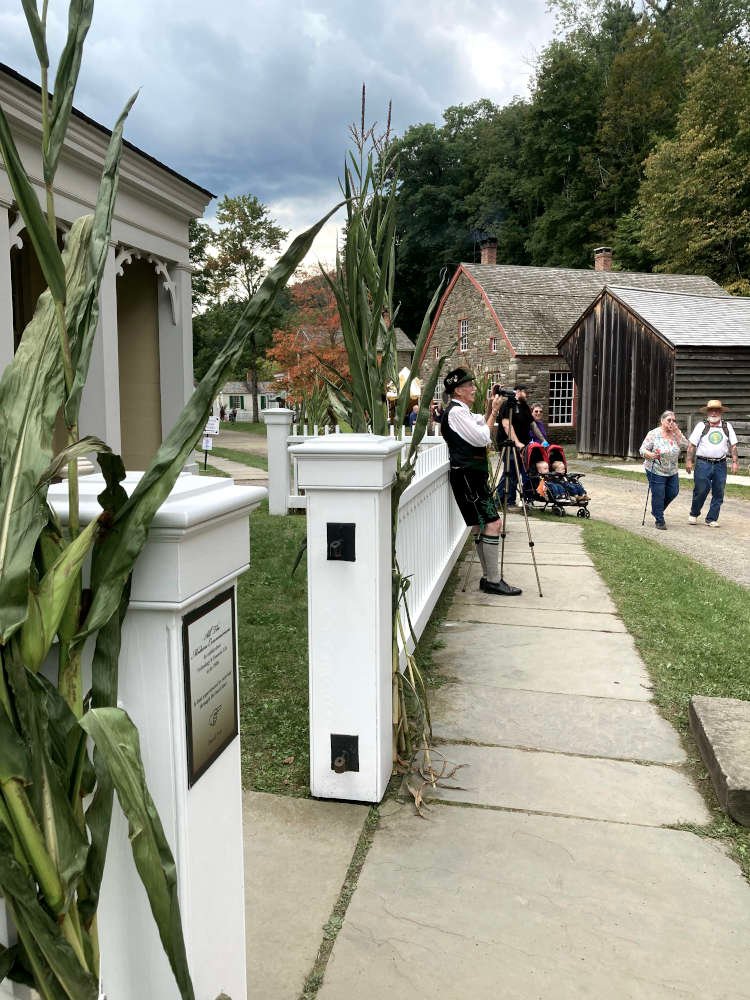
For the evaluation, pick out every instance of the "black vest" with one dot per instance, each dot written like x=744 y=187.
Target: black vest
x=462 y=454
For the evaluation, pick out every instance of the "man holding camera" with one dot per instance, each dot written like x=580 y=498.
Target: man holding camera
x=518 y=427
x=467 y=435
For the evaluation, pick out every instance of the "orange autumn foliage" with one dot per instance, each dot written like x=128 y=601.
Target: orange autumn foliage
x=311 y=344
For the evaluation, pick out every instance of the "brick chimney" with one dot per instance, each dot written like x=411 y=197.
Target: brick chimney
x=603 y=259
x=489 y=250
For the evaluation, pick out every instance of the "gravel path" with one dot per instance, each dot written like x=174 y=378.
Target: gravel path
x=725 y=549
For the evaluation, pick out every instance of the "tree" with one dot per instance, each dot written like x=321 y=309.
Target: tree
x=200 y=237
x=246 y=237
x=234 y=267
x=695 y=200
x=309 y=349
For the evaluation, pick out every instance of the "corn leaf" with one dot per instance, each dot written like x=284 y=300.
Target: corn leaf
x=116 y=739
x=33 y=922
x=79 y=22
x=50 y=601
x=83 y=446
x=31 y=394
x=14 y=759
x=50 y=259
x=114 y=555
x=84 y=325
x=36 y=30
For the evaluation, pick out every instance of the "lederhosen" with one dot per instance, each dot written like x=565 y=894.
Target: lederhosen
x=468 y=475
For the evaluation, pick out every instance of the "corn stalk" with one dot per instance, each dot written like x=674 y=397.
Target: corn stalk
x=56 y=796
x=364 y=290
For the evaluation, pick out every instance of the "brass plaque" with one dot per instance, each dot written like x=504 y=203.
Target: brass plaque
x=209 y=652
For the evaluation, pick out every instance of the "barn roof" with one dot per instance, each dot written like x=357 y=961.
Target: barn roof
x=538 y=305
x=690 y=320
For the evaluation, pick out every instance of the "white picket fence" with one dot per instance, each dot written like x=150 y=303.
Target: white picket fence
x=431 y=534
x=431 y=531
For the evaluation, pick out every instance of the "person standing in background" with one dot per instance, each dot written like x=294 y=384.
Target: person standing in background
x=661 y=450
x=711 y=442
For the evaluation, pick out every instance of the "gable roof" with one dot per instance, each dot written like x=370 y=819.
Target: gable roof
x=538 y=305
x=690 y=320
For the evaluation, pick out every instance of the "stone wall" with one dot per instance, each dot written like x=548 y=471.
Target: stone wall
x=466 y=303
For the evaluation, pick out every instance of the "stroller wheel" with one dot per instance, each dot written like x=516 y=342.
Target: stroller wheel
x=559 y=511
x=583 y=512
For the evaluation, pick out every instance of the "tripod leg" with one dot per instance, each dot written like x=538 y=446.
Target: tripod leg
x=526 y=519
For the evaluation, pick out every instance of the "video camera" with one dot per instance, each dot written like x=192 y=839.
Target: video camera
x=499 y=391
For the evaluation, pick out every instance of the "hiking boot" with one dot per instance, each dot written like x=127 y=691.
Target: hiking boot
x=692 y=519
x=501 y=587
x=661 y=526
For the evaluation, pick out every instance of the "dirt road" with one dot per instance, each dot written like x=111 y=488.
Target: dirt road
x=725 y=549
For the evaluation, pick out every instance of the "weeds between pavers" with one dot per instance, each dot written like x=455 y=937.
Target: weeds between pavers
x=704 y=652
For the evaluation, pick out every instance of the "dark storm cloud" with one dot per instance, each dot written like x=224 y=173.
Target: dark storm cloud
x=257 y=96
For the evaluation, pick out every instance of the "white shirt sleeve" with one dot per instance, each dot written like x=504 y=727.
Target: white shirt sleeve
x=732 y=435
x=696 y=435
x=472 y=427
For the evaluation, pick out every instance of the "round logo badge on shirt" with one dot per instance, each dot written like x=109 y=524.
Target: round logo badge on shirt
x=715 y=437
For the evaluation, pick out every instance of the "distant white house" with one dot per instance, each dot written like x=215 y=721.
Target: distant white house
x=141 y=371
x=238 y=396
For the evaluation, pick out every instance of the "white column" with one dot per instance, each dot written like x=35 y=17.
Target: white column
x=6 y=289
x=347 y=480
x=100 y=401
x=198 y=545
x=175 y=343
x=278 y=423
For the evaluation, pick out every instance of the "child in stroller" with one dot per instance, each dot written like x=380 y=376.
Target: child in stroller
x=549 y=480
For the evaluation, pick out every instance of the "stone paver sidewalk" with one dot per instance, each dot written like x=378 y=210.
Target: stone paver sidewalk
x=549 y=870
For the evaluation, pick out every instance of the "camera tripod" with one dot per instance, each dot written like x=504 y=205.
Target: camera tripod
x=507 y=453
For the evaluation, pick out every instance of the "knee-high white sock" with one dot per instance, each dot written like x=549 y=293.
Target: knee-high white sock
x=489 y=546
x=480 y=553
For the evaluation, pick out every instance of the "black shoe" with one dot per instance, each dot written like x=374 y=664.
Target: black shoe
x=661 y=526
x=501 y=587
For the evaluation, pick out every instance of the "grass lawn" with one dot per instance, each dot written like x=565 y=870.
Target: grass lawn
x=272 y=625
x=244 y=457
x=692 y=629
x=731 y=489
x=244 y=425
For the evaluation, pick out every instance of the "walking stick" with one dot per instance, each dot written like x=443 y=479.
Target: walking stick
x=648 y=491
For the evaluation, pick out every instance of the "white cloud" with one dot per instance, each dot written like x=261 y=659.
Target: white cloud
x=257 y=95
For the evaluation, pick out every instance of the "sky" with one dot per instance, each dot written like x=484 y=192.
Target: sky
x=255 y=96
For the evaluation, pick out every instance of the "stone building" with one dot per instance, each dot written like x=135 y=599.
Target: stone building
x=504 y=323
x=141 y=371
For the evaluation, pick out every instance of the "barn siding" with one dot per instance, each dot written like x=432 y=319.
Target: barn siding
x=625 y=378
x=703 y=373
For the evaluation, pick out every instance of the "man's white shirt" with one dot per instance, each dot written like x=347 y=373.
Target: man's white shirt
x=472 y=427
x=714 y=443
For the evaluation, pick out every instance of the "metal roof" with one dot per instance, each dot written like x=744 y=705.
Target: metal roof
x=538 y=305
x=691 y=320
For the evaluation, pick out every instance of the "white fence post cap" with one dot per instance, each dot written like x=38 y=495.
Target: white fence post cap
x=353 y=461
x=279 y=415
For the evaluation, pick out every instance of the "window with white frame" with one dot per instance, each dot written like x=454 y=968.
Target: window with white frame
x=463 y=335
x=493 y=345
x=560 y=398
x=236 y=402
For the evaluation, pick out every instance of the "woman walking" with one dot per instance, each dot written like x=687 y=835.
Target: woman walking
x=661 y=450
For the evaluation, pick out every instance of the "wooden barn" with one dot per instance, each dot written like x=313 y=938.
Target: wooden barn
x=636 y=352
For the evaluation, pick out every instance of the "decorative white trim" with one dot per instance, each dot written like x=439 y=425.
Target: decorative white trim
x=127 y=254
x=15 y=234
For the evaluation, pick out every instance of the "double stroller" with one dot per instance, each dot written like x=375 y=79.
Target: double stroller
x=548 y=482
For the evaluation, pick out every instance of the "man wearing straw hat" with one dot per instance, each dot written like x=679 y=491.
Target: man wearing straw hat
x=712 y=440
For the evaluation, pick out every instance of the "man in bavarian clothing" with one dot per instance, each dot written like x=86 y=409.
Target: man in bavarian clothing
x=712 y=440
x=467 y=435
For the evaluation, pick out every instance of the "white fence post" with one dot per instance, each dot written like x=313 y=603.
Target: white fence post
x=347 y=479
x=178 y=682
x=278 y=425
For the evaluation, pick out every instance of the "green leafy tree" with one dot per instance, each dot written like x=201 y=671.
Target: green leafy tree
x=199 y=234
x=695 y=199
